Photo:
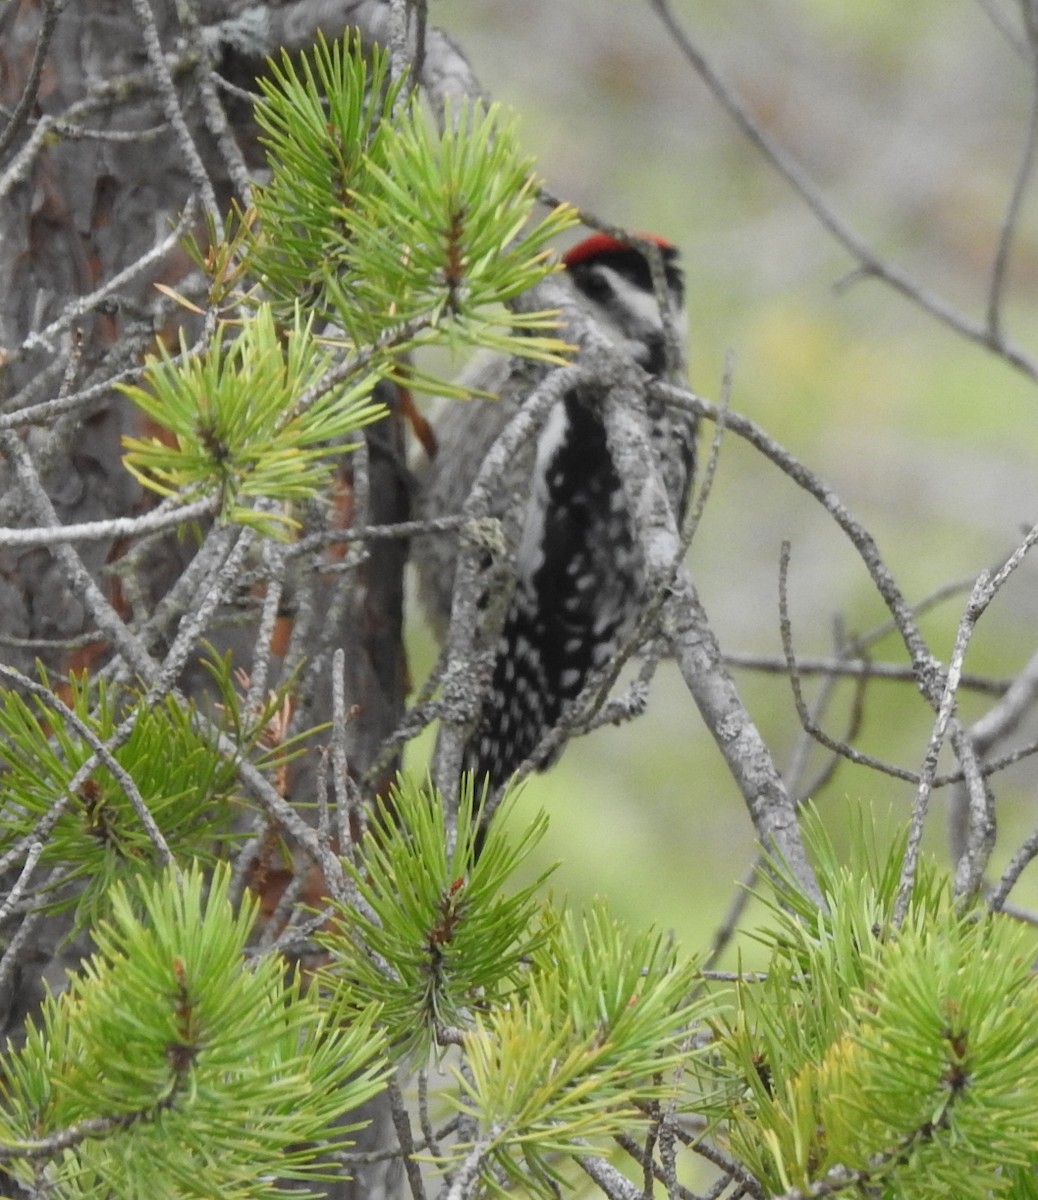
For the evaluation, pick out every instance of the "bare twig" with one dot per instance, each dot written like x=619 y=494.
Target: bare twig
x=1001 y=720
x=162 y=77
x=609 y=1180
x=675 y=1190
x=725 y=1162
x=78 y=578
x=695 y=646
x=459 y=698
x=405 y=1138
x=21 y=884
x=465 y=1179
x=855 y=668
x=836 y=745
x=999 y=271
x=733 y=915
x=52 y=9
x=168 y=516
x=349 y=808
x=274 y=558
x=212 y=109
x=83 y=304
x=19 y=942
x=927 y=670
x=869 y=262
x=374 y=533
x=974 y=607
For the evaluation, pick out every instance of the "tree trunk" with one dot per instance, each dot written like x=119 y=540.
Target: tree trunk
x=74 y=213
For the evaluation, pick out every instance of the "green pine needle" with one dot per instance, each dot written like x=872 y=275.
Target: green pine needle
x=441 y=235
x=235 y=423
x=397 y=233
x=206 y=1074
x=324 y=117
x=186 y=786
x=599 y=1034
x=437 y=935
x=906 y=1055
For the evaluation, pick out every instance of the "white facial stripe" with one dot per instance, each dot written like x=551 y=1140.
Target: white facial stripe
x=632 y=314
x=531 y=552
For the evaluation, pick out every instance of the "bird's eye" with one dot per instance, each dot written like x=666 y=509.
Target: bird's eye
x=597 y=286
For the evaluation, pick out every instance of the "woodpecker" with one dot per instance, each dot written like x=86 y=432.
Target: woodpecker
x=579 y=579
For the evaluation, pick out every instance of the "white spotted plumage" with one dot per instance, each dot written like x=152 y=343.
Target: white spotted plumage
x=579 y=580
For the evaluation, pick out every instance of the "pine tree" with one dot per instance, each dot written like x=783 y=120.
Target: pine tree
x=288 y=966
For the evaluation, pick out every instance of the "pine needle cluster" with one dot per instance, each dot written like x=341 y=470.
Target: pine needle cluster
x=894 y=1060
x=389 y=234
x=175 y=1066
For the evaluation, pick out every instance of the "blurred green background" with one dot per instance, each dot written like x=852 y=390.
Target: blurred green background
x=912 y=119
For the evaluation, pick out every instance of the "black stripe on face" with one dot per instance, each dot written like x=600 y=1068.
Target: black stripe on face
x=632 y=265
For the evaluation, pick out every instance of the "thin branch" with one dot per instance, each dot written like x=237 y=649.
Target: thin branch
x=101 y=751
x=696 y=649
x=807 y=722
x=430 y=1139
x=81 y=305
x=405 y=1138
x=612 y=1182
x=989 y=768
x=171 y=106
x=135 y=655
x=158 y=521
x=374 y=533
x=349 y=807
x=212 y=109
x=154 y=631
x=591 y=710
x=725 y=1162
x=856 y=668
x=361 y=1157
x=75 y=1135
x=743 y=892
x=628 y=1143
x=466 y=1178
x=21 y=942
x=733 y=915
x=106 y=94
x=981 y=820
x=41 y=831
x=999 y=272
x=52 y=9
x=19 y=413
x=974 y=607
x=790 y=170
x=1000 y=721
x=78 y=578
x=1004 y=717
x=927 y=670
x=40 y=643
x=1024 y=855
x=81 y=133
x=21 y=884
x=709 y=475
x=196 y=621
x=423 y=711
x=953 y=589
x=274 y=559
x=459 y=702
x=855 y=720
